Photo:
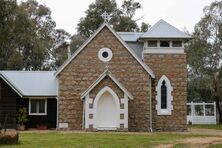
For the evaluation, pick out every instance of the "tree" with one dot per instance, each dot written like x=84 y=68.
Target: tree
x=122 y=18
x=76 y=41
x=123 y=21
x=144 y=27
x=59 y=51
x=205 y=51
x=93 y=19
x=28 y=38
x=7 y=14
x=38 y=40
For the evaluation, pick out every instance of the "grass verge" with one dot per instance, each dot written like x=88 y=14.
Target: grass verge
x=94 y=140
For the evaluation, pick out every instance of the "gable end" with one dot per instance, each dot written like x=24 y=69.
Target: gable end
x=146 y=67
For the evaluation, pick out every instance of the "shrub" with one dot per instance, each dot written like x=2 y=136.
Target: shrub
x=22 y=116
x=9 y=138
x=190 y=122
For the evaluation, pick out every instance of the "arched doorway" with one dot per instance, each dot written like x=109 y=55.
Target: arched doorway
x=107 y=107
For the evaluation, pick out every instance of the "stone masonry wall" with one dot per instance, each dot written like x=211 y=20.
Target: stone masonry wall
x=86 y=68
x=174 y=67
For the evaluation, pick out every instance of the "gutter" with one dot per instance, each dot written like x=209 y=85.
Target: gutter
x=151 y=128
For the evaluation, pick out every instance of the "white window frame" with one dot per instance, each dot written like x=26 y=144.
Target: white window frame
x=170 y=43
x=37 y=114
x=168 y=110
x=110 y=54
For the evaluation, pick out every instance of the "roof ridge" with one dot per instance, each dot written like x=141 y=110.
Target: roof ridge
x=154 y=26
x=175 y=31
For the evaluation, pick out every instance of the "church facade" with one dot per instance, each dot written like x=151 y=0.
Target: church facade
x=124 y=81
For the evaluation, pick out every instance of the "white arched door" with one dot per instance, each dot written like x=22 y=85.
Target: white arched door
x=107 y=110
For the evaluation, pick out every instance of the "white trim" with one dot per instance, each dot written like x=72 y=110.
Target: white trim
x=126 y=111
x=107 y=128
x=116 y=98
x=63 y=125
x=146 y=67
x=87 y=111
x=168 y=110
x=108 y=58
x=37 y=114
x=100 y=78
x=167 y=50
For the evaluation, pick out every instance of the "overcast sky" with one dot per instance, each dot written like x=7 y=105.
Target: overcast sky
x=179 y=13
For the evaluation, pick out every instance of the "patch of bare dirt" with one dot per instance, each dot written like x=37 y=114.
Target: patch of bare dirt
x=211 y=132
x=194 y=142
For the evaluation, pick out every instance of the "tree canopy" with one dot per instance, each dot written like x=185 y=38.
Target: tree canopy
x=28 y=36
x=122 y=19
x=205 y=56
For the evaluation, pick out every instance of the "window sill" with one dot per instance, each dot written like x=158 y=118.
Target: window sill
x=38 y=114
x=164 y=112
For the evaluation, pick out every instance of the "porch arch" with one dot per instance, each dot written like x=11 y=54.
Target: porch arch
x=107 y=109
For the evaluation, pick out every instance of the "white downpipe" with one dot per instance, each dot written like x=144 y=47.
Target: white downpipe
x=151 y=128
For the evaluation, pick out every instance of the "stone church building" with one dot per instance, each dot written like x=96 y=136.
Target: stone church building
x=124 y=81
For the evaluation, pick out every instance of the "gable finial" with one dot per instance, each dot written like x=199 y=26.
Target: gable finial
x=106 y=17
x=107 y=68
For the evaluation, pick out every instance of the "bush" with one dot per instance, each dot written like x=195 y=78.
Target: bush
x=9 y=138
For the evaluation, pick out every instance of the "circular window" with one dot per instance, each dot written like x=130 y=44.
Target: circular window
x=105 y=54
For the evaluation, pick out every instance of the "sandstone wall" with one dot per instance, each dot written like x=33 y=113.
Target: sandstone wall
x=87 y=67
x=174 y=67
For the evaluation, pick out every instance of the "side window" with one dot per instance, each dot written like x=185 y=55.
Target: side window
x=177 y=43
x=37 y=106
x=164 y=43
x=152 y=43
x=164 y=98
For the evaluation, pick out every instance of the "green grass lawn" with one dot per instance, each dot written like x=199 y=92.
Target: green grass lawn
x=104 y=140
x=217 y=126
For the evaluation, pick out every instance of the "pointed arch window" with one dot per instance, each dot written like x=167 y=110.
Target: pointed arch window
x=164 y=98
x=163 y=95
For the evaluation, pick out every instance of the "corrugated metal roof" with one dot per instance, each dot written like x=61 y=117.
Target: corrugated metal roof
x=162 y=29
x=130 y=36
x=33 y=83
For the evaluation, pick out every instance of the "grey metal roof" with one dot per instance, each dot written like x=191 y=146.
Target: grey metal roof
x=136 y=47
x=130 y=36
x=162 y=29
x=131 y=39
x=32 y=83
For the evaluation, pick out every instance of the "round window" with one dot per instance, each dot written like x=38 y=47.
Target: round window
x=105 y=54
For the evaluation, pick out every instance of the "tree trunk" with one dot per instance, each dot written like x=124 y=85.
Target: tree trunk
x=216 y=97
x=219 y=109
